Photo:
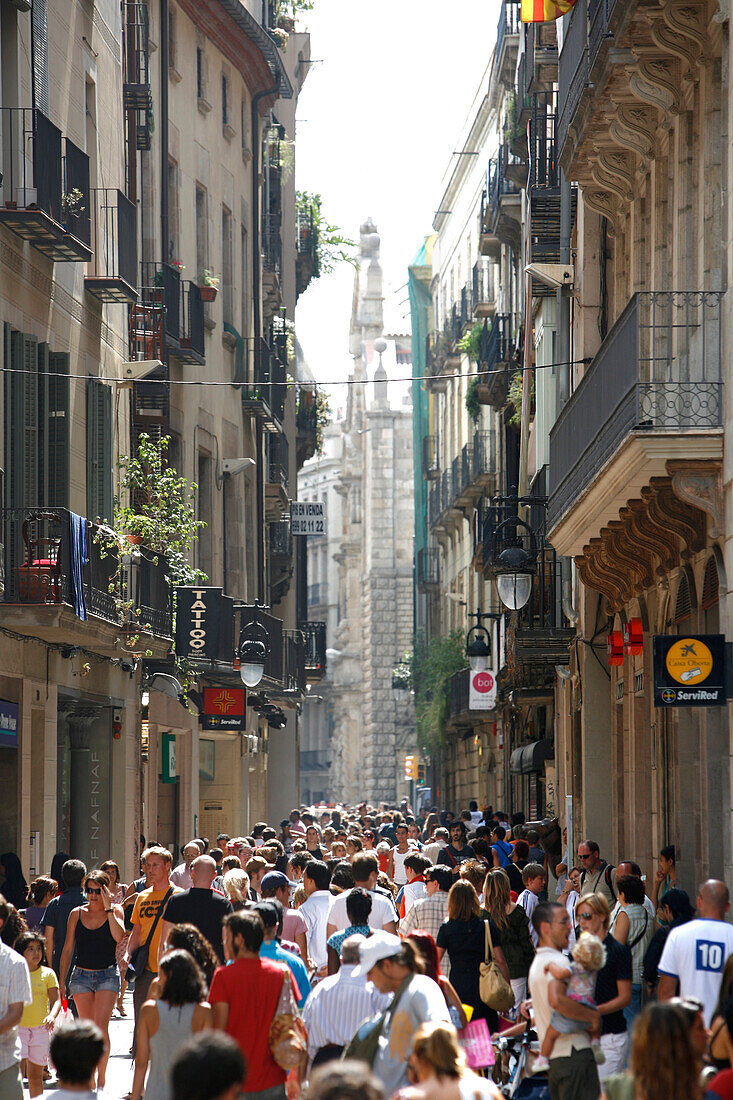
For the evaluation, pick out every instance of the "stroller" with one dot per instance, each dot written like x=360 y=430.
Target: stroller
x=510 y=1069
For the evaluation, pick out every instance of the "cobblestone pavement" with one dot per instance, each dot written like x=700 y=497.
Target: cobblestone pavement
x=119 y=1070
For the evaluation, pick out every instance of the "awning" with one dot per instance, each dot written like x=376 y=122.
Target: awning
x=532 y=757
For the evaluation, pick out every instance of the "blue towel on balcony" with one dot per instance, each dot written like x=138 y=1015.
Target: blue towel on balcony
x=78 y=556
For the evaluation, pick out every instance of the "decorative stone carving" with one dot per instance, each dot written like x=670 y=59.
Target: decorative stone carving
x=614 y=170
x=700 y=484
x=655 y=81
x=688 y=523
x=633 y=127
x=640 y=560
x=647 y=533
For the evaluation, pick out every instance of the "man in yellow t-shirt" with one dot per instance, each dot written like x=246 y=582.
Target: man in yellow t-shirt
x=150 y=902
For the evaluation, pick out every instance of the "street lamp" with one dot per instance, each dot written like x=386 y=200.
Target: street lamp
x=478 y=648
x=253 y=651
x=514 y=577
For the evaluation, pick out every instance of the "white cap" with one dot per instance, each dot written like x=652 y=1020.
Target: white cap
x=381 y=945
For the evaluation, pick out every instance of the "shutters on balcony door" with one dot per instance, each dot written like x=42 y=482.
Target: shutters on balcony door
x=21 y=422
x=99 y=450
x=40 y=53
x=55 y=430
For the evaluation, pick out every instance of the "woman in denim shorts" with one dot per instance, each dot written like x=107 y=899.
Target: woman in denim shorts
x=93 y=932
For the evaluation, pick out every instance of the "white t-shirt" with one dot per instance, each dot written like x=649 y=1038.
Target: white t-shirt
x=696 y=953
x=382 y=912
x=539 y=983
x=477 y=818
x=400 y=874
x=528 y=901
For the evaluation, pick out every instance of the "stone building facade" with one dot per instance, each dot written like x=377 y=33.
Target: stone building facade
x=372 y=731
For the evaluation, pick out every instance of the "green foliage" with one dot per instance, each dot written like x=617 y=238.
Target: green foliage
x=471 y=343
x=514 y=398
x=161 y=508
x=434 y=660
x=323 y=418
x=473 y=406
x=332 y=248
x=290 y=9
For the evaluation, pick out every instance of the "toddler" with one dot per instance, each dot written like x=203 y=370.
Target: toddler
x=38 y=1017
x=579 y=977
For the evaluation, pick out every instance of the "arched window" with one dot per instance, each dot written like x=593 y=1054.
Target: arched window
x=709 y=601
x=686 y=602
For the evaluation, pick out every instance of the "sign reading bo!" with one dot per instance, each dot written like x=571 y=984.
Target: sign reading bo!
x=482 y=691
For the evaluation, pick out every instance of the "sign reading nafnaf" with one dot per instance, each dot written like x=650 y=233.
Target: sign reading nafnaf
x=689 y=671
x=482 y=690
x=307 y=518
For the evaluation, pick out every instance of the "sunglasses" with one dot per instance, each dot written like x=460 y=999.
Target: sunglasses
x=586 y=916
x=584 y=857
x=90 y=892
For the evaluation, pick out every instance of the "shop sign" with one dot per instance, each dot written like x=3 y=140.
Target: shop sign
x=225 y=708
x=204 y=624
x=8 y=724
x=307 y=518
x=482 y=690
x=689 y=671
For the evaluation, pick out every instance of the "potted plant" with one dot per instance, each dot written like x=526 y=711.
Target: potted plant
x=208 y=285
x=71 y=204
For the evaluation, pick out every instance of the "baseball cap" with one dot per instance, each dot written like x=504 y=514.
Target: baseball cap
x=274 y=880
x=380 y=945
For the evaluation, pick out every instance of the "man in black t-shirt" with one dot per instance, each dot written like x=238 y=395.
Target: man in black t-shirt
x=199 y=906
x=457 y=851
x=613 y=983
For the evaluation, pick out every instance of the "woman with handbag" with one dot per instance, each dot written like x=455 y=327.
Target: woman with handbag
x=511 y=920
x=471 y=942
x=93 y=931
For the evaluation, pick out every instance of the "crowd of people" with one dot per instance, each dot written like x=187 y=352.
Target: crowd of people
x=369 y=953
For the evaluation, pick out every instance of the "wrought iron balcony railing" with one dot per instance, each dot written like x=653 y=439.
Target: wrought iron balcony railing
x=659 y=369
x=307 y=265
x=315 y=650
x=191 y=336
x=430 y=459
x=508 y=25
x=264 y=390
x=277 y=459
x=457 y=692
x=572 y=75
x=294 y=673
x=112 y=273
x=136 y=91
x=483 y=289
x=428 y=569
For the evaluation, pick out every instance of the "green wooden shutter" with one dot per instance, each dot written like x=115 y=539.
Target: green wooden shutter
x=56 y=431
x=7 y=412
x=99 y=450
x=21 y=422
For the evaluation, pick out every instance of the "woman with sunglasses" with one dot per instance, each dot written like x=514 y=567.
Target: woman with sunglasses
x=613 y=982
x=369 y=841
x=94 y=930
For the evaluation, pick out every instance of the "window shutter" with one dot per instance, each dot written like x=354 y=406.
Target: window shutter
x=40 y=54
x=56 y=429
x=99 y=450
x=21 y=422
x=7 y=412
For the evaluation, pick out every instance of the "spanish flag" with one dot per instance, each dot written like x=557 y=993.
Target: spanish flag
x=544 y=11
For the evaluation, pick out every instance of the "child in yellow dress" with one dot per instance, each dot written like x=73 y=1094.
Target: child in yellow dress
x=38 y=1017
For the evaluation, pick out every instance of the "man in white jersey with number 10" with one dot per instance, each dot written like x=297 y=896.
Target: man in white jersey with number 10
x=696 y=952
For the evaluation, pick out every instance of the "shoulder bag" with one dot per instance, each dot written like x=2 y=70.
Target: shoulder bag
x=288 y=1038
x=139 y=958
x=364 y=1046
x=494 y=989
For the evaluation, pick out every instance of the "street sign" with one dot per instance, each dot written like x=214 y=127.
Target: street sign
x=482 y=690
x=224 y=709
x=307 y=518
x=689 y=671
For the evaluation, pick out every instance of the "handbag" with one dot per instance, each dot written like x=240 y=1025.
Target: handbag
x=364 y=1046
x=287 y=1038
x=494 y=990
x=139 y=958
x=475 y=1039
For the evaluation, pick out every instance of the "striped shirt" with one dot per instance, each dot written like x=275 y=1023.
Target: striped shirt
x=15 y=988
x=428 y=914
x=337 y=1006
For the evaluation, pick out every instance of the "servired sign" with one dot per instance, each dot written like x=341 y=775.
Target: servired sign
x=224 y=709
x=482 y=690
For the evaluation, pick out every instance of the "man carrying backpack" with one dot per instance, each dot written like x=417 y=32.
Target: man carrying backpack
x=597 y=874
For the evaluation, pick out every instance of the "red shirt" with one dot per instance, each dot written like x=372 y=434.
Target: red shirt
x=251 y=988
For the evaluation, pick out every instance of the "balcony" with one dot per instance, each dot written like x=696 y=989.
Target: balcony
x=652 y=395
x=161 y=294
x=430 y=458
x=276 y=476
x=112 y=272
x=306 y=422
x=573 y=75
x=136 y=91
x=38 y=591
x=444 y=511
x=507 y=42
x=191 y=334
x=543 y=187
x=280 y=557
x=540 y=58
x=45 y=191
x=436 y=348
x=497 y=352
x=294 y=656
x=457 y=692
x=315 y=650
x=483 y=290
x=504 y=199
x=306 y=242
x=264 y=391
x=428 y=569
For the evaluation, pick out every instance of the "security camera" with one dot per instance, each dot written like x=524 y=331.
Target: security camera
x=556 y=275
x=234 y=466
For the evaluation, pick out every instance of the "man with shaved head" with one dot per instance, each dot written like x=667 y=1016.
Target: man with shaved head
x=199 y=906
x=695 y=953
x=181 y=875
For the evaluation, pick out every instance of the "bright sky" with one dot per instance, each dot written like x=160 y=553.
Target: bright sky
x=377 y=122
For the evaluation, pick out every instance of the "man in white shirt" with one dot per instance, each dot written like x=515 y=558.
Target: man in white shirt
x=181 y=875
x=338 y=1005
x=398 y=855
x=573 y=1071
x=315 y=910
x=695 y=953
x=383 y=915
x=15 y=992
x=628 y=868
x=477 y=818
x=533 y=877
x=416 y=865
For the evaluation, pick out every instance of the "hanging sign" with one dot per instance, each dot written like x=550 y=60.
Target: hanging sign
x=689 y=671
x=307 y=518
x=168 y=758
x=225 y=708
x=482 y=690
x=204 y=624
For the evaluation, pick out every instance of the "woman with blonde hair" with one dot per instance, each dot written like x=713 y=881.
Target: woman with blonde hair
x=437 y=1068
x=463 y=936
x=513 y=925
x=236 y=887
x=613 y=982
x=664 y=1063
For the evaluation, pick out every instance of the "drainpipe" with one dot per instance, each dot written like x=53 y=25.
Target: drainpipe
x=256 y=295
x=570 y=612
x=563 y=298
x=164 y=130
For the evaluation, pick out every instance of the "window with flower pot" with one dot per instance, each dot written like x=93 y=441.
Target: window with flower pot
x=202 y=229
